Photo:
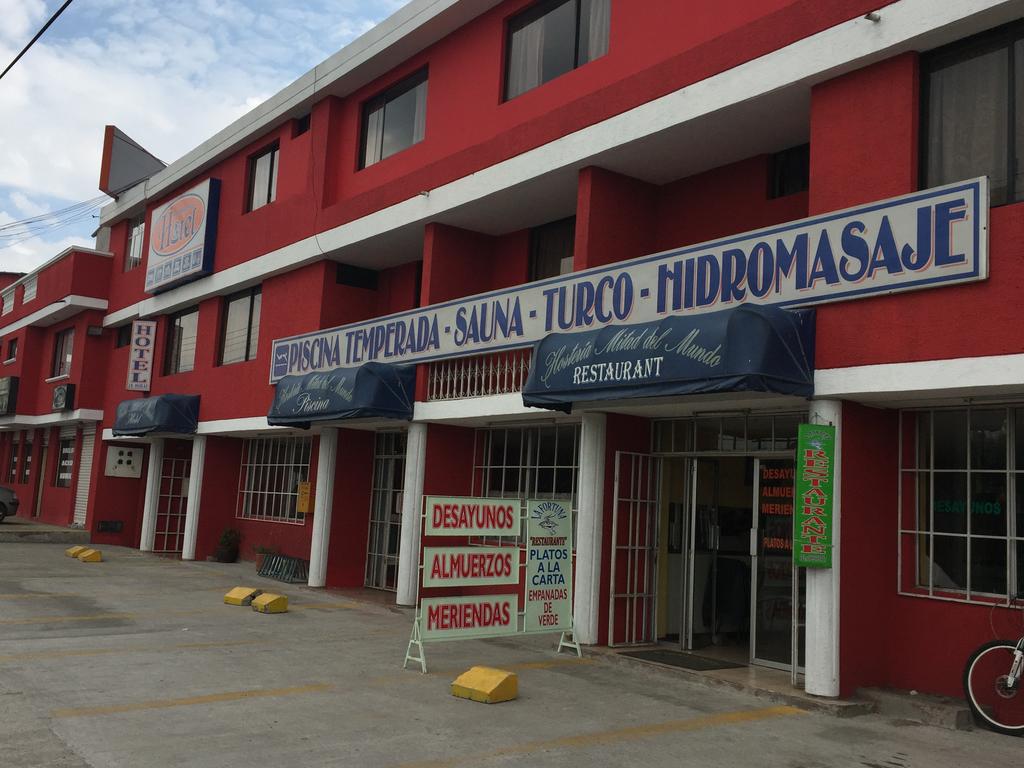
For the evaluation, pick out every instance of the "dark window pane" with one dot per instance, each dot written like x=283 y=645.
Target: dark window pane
x=785 y=432
x=566 y=446
x=949 y=569
x=1018 y=454
x=759 y=433
x=395 y=120
x=546 y=446
x=401 y=128
x=1019 y=479
x=950 y=439
x=1020 y=569
x=707 y=434
x=595 y=25
x=967 y=122
x=988 y=504
x=551 y=249
x=988 y=439
x=950 y=508
x=988 y=566
x=733 y=434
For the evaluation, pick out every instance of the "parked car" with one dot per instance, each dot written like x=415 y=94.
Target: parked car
x=8 y=502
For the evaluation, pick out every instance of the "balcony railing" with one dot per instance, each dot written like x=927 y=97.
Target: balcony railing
x=496 y=374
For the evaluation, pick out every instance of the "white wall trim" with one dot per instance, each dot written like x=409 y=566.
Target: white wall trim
x=814 y=59
x=56 y=312
x=24 y=421
x=957 y=377
x=491 y=406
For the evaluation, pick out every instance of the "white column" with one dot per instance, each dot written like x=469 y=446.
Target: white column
x=412 y=506
x=195 y=490
x=149 y=506
x=822 y=631
x=589 y=528
x=323 y=503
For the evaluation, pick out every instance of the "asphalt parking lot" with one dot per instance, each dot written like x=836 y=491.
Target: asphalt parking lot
x=136 y=662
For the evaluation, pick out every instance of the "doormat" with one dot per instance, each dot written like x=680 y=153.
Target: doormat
x=684 y=660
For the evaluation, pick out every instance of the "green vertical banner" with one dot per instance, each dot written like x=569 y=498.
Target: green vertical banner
x=815 y=489
x=548 y=566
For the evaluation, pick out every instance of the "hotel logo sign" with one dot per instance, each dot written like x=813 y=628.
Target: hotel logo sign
x=922 y=240
x=182 y=238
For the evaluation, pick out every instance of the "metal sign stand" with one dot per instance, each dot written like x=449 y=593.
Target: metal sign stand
x=567 y=639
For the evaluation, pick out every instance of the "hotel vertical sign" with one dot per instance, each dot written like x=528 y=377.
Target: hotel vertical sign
x=815 y=492
x=140 y=356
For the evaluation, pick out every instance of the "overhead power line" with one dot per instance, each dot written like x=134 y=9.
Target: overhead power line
x=38 y=34
x=16 y=232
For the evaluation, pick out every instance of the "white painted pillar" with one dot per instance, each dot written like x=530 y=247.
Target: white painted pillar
x=195 y=490
x=589 y=528
x=323 y=504
x=412 y=506
x=822 y=631
x=152 y=500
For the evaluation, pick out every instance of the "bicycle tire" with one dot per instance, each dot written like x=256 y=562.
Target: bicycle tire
x=983 y=691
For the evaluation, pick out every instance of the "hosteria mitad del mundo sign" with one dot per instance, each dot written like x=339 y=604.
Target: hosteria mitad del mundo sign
x=815 y=490
x=481 y=581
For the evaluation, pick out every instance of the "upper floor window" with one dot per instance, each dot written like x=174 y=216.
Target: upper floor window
x=394 y=120
x=973 y=113
x=551 y=249
x=241 y=331
x=29 y=290
x=263 y=177
x=133 y=253
x=62 y=346
x=182 y=332
x=789 y=171
x=552 y=38
x=7 y=297
x=12 y=351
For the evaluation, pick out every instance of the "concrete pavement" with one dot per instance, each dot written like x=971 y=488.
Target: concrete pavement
x=136 y=662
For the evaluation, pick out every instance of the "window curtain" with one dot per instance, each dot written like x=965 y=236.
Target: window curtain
x=419 y=128
x=526 y=58
x=967 y=122
x=598 y=20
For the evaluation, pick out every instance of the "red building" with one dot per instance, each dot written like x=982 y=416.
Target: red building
x=468 y=179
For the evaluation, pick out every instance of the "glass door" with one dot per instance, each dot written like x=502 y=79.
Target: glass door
x=772 y=608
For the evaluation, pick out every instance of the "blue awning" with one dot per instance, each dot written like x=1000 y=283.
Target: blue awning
x=748 y=348
x=373 y=390
x=163 y=413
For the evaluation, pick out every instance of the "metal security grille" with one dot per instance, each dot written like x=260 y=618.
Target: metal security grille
x=532 y=462
x=386 y=510
x=170 y=511
x=84 y=473
x=268 y=485
x=496 y=374
x=634 y=567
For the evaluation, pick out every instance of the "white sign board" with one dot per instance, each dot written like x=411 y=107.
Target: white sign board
x=922 y=240
x=182 y=238
x=140 y=356
x=548 y=567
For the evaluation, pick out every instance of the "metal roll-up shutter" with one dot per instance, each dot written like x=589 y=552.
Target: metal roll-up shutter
x=84 y=472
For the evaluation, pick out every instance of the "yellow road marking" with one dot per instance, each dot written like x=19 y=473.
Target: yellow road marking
x=613 y=736
x=214 y=698
x=34 y=655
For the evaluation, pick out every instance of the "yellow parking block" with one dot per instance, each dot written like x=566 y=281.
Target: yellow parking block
x=241 y=595
x=74 y=551
x=90 y=556
x=268 y=602
x=486 y=685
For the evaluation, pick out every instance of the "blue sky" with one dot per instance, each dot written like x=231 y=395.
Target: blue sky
x=170 y=74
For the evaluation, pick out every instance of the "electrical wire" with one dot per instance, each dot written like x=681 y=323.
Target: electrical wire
x=16 y=232
x=38 y=34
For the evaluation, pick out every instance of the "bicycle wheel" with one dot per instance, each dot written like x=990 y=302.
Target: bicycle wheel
x=994 y=704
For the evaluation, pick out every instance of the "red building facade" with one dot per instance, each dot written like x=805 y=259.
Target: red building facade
x=471 y=147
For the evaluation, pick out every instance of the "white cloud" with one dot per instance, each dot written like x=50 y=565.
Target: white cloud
x=168 y=74
x=27 y=207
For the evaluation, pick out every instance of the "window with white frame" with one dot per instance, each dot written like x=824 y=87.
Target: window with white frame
x=961 y=489
x=268 y=485
x=29 y=290
x=532 y=462
x=7 y=297
x=136 y=233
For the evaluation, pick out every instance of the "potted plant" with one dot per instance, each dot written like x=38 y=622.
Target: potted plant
x=227 y=549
